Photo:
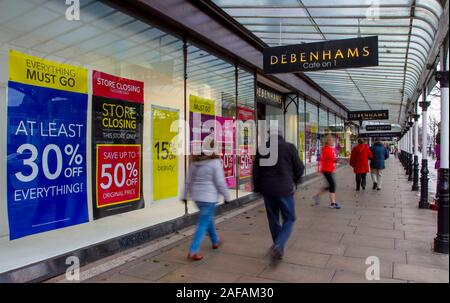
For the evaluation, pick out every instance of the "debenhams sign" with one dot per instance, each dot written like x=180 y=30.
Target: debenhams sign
x=348 y=53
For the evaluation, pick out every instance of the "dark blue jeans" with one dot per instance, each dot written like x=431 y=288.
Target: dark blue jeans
x=285 y=206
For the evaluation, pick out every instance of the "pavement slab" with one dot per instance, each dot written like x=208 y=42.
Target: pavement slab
x=326 y=245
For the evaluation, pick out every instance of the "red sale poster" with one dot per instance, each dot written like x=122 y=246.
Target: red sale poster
x=245 y=114
x=118 y=173
x=245 y=143
x=245 y=162
x=117 y=127
x=227 y=139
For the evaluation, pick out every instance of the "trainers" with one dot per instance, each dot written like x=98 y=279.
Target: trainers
x=218 y=244
x=375 y=185
x=195 y=257
x=316 y=200
x=335 y=206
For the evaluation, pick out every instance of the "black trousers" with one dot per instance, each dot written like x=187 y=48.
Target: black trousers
x=331 y=184
x=361 y=181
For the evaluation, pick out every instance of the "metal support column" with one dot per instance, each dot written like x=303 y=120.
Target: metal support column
x=415 y=186
x=441 y=240
x=410 y=149
x=423 y=203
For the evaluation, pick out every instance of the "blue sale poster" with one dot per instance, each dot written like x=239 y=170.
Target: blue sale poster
x=46 y=162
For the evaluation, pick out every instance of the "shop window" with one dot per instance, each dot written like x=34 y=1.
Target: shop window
x=120 y=48
x=211 y=104
x=323 y=128
x=303 y=119
x=311 y=138
x=340 y=135
x=245 y=131
x=290 y=118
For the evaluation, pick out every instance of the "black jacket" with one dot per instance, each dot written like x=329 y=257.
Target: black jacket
x=280 y=179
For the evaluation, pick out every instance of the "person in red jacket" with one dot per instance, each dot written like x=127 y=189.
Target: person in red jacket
x=327 y=166
x=359 y=160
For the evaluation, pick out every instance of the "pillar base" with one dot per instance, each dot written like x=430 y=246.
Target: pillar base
x=441 y=241
x=441 y=245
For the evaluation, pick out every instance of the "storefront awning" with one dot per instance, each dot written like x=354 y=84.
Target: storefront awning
x=406 y=30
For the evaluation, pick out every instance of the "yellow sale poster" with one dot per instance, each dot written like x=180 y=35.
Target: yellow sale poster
x=201 y=105
x=164 y=152
x=37 y=71
x=301 y=150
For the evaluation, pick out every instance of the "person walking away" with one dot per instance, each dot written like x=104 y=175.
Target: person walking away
x=204 y=184
x=277 y=184
x=327 y=167
x=359 y=160
x=377 y=165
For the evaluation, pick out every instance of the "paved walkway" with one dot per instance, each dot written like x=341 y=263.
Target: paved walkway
x=326 y=245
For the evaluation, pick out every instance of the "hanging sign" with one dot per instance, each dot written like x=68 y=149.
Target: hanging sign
x=165 y=152
x=117 y=126
x=378 y=127
x=334 y=54
x=368 y=115
x=46 y=145
x=380 y=135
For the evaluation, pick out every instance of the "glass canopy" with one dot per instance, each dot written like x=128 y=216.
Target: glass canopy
x=405 y=30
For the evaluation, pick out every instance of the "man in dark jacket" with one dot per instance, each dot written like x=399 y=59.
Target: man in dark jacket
x=277 y=184
x=380 y=154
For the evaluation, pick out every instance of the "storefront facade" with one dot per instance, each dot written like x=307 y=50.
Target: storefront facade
x=97 y=102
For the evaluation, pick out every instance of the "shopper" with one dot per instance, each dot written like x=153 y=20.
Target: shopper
x=277 y=185
x=327 y=167
x=359 y=160
x=377 y=165
x=204 y=183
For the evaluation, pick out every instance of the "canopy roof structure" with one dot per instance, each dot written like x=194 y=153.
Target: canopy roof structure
x=406 y=31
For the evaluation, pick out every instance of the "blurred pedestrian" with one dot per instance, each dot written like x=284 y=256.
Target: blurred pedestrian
x=327 y=167
x=204 y=184
x=359 y=160
x=377 y=165
x=277 y=184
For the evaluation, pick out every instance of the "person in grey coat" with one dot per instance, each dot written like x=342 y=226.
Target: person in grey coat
x=204 y=185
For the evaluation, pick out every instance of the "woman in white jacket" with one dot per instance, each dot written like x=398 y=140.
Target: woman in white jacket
x=204 y=184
